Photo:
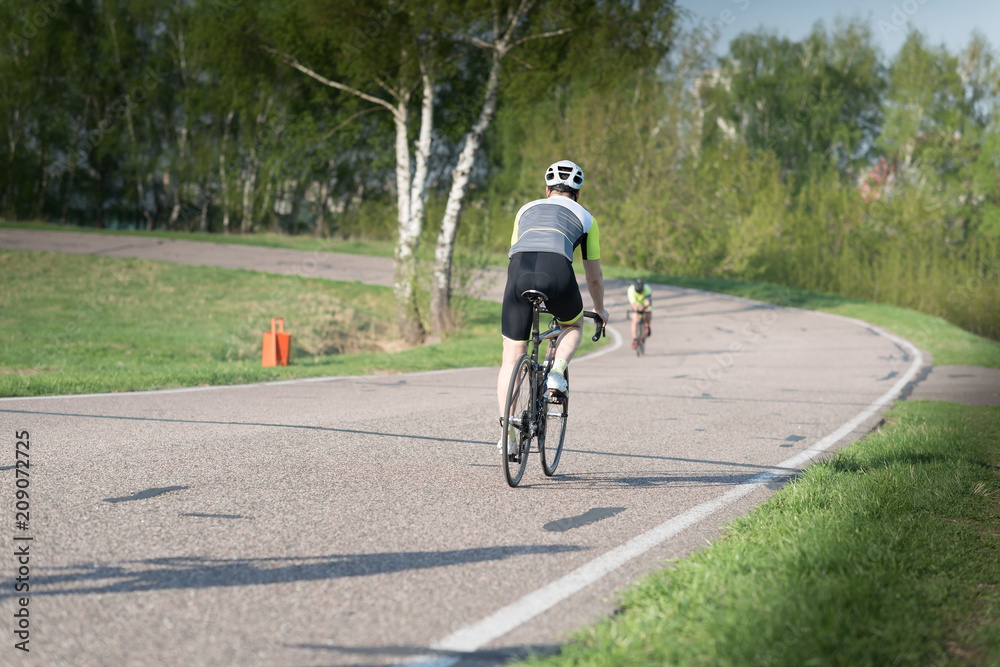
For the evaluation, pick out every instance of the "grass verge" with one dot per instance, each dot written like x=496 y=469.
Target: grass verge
x=886 y=554
x=81 y=324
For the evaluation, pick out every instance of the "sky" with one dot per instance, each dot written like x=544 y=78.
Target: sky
x=943 y=21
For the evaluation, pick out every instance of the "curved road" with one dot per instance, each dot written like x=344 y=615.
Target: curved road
x=363 y=520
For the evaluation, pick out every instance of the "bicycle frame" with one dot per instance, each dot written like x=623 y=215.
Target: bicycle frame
x=642 y=312
x=530 y=419
x=540 y=371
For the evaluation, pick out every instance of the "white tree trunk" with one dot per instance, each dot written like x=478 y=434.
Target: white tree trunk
x=405 y=269
x=205 y=201
x=441 y=315
x=223 y=180
x=419 y=187
x=182 y=133
x=405 y=265
x=71 y=163
x=175 y=212
x=324 y=192
x=140 y=191
x=266 y=206
x=253 y=170
x=12 y=136
x=40 y=192
x=249 y=183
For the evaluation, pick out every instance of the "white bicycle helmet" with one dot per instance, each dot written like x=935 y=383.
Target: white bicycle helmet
x=564 y=172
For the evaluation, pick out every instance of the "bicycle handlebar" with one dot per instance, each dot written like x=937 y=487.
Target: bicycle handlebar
x=598 y=321
x=587 y=313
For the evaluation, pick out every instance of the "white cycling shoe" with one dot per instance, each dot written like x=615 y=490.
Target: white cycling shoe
x=511 y=440
x=556 y=382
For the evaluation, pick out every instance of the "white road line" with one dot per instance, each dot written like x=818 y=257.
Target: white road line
x=616 y=342
x=475 y=636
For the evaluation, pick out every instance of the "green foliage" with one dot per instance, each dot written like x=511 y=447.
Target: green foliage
x=813 y=163
x=813 y=103
x=763 y=169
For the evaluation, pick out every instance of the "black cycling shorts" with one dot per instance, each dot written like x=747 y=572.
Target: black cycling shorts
x=547 y=272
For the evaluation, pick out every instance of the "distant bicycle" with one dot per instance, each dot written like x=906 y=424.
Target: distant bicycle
x=640 y=298
x=535 y=413
x=642 y=331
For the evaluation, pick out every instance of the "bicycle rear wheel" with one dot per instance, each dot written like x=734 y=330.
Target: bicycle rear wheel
x=514 y=455
x=550 y=439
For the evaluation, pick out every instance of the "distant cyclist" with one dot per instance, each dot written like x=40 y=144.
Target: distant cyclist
x=546 y=231
x=640 y=297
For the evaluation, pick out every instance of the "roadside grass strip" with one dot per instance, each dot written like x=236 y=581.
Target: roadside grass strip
x=887 y=553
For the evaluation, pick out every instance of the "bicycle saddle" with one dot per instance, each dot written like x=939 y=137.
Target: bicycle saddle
x=534 y=295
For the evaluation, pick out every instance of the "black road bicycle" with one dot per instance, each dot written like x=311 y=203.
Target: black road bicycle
x=535 y=413
x=641 y=330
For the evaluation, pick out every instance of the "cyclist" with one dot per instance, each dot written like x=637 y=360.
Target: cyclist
x=640 y=297
x=546 y=231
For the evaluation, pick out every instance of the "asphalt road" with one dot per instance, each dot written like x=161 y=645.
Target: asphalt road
x=364 y=520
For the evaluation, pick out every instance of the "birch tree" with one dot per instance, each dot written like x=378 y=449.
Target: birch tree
x=612 y=31
x=386 y=57
x=506 y=26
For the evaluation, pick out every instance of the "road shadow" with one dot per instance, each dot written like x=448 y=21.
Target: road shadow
x=192 y=572
x=309 y=427
x=660 y=457
x=428 y=656
x=652 y=479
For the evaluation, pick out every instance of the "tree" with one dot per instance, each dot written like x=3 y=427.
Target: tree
x=814 y=102
x=527 y=31
x=386 y=54
x=922 y=102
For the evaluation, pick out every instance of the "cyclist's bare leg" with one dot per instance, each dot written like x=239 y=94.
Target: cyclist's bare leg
x=512 y=351
x=635 y=324
x=569 y=340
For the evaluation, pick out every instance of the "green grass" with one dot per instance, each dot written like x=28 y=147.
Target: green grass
x=947 y=343
x=80 y=324
x=886 y=554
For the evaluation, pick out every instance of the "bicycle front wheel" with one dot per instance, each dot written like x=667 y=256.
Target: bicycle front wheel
x=514 y=455
x=550 y=440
